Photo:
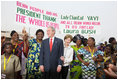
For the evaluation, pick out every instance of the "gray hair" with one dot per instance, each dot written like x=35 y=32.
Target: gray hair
x=53 y=29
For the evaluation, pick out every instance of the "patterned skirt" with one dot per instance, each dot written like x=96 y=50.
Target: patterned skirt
x=100 y=71
x=33 y=70
x=89 y=74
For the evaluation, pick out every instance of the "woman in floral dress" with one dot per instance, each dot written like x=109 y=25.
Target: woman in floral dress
x=33 y=68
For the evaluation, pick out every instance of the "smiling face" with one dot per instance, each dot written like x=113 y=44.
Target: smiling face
x=15 y=37
x=108 y=49
x=67 y=41
x=8 y=49
x=50 y=32
x=78 y=42
x=39 y=36
x=90 y=42
x=114 y=41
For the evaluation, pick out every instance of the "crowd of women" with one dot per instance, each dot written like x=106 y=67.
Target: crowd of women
x=84 y=60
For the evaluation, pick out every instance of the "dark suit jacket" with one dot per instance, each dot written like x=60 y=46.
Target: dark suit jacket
x=50 y=60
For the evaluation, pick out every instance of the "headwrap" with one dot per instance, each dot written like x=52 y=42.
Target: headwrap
x=78 y=37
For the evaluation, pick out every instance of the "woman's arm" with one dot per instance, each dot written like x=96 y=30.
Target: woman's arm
x=100 y=58
x=26 y=44
x=79 y=57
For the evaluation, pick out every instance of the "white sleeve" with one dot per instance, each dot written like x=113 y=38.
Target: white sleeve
x=69 y=57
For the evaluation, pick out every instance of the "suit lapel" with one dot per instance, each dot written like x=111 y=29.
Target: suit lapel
x=55 y=42
x=48 y=46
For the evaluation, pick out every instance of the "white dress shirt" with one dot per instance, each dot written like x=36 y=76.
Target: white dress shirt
x=52 y=40
x=68 y=55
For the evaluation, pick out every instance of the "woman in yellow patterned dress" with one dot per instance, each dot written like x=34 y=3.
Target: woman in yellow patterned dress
x=32 y=65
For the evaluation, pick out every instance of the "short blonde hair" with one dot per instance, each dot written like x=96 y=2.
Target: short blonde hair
x=68 y=36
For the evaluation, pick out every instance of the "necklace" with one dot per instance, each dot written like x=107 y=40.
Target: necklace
x=7 y=61
x=92 y=52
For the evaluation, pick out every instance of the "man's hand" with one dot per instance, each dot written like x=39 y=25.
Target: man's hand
x=24 y=31
x=113 y=67
x=110 y=73
x=25 y=37
x=42 y=68
x=58 y=68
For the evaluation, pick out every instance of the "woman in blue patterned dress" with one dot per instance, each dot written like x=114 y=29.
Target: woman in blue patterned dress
x=32 y=65
x=90 y=57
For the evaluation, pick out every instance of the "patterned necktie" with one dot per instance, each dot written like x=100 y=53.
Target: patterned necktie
x=50 y=44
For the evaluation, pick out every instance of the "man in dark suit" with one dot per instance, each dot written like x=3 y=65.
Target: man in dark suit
x=51 y=50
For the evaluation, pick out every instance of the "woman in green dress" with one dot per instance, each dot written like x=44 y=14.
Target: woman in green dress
x=75 y=66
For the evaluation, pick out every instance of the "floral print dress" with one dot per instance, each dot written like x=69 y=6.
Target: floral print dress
x=33 y=69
